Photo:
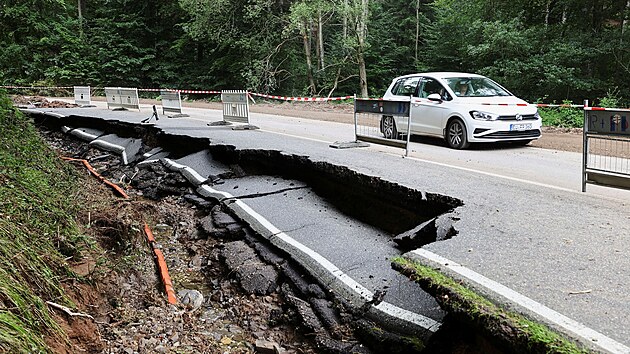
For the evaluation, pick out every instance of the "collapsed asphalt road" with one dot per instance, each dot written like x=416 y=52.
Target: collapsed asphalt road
x=508 y=231
x=311 y=211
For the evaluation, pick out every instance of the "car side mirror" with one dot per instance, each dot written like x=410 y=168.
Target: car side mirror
x=435 y=97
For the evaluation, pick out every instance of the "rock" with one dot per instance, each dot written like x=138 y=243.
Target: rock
x=191 y=298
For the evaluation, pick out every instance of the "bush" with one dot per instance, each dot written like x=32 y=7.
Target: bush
x=562 y=117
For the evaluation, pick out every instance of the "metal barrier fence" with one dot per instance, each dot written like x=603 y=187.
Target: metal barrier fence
x=120 y=97
x=171 y=102
x=606 y=154
x=373 y=116
x=235 y=106
x=82 y=95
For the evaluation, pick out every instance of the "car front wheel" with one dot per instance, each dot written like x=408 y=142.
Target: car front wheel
x=389 y=127
x=456 y=135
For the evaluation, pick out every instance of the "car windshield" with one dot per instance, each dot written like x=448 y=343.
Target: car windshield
x=475 y=87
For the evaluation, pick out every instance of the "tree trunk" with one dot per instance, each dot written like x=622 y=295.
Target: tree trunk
x=417 y=27
x=362 y=35
x=624 y=21
x=345 y=20
x=320 y=39
x=307 y=52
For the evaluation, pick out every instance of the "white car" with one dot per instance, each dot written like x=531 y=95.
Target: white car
x=462 y=108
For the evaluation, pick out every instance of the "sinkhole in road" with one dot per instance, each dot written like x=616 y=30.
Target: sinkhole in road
x=395 y=209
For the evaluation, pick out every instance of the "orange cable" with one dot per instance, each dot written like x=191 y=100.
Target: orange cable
x=101 y=178
x=166 y=278
x=168 y=285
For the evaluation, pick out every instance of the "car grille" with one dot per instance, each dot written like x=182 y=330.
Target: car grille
x=525 y=117
x=534 y=133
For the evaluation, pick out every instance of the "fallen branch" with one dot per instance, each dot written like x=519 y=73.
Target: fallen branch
x=68 y=311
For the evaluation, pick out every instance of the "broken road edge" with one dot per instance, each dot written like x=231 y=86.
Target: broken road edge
x=508 y=330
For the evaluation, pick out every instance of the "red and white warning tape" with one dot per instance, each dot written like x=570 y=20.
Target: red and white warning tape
x=37 y=87
x=302 y=99
x=560 y=105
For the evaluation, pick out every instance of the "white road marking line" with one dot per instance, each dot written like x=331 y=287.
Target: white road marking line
x=587 y=334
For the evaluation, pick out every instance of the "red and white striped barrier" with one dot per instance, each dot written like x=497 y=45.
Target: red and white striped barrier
x=559 y=105
x=301 y=99
x=606 y=109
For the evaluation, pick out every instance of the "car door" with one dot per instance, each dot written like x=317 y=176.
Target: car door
x=427 y=117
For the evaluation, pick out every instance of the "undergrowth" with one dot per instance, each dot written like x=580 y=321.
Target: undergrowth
x=37 y=232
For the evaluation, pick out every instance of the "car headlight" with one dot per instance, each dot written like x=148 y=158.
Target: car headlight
x=537 y=115
x=483 y=115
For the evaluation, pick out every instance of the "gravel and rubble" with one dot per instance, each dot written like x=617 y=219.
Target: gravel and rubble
x=236 y=295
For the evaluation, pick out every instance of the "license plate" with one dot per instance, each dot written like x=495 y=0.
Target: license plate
x=524 y=126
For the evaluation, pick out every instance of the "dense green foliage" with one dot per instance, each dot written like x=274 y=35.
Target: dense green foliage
x=36 y=205
x=541 y=50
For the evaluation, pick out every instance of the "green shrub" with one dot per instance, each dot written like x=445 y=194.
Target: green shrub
x=562 y=117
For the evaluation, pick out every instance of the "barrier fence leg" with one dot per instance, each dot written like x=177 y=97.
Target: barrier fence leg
x=584 y=146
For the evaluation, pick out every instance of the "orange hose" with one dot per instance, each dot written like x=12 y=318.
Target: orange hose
x=120 y=191
x=166 y=279
x=147 y=231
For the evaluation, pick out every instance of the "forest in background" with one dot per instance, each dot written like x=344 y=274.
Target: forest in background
x=541 y=50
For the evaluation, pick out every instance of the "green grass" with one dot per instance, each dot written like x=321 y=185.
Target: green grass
x=37 y=232
x=529 y=335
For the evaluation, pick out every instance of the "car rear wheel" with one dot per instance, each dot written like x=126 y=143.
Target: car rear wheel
x=388 y=126
x=456 y=136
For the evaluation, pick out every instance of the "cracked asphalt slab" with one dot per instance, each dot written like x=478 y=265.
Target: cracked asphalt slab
x=566 y=250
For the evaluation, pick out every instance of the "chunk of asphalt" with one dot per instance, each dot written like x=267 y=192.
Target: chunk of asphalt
x=86 y=134
x=206 y=224
x=295 y=278
x=198 y=201
x=222 y=219
x=326 y=313
x=382 y=341
x=334 y=346
x=444 y=226
x=310 y=321
x=255 y=276
x=417 y=237
x=128 y=148
x=264 y=251
x=204 y=166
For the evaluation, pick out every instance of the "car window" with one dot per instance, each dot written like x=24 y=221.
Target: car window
x=430 y=86
x=406 y=86
x=475 y=87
